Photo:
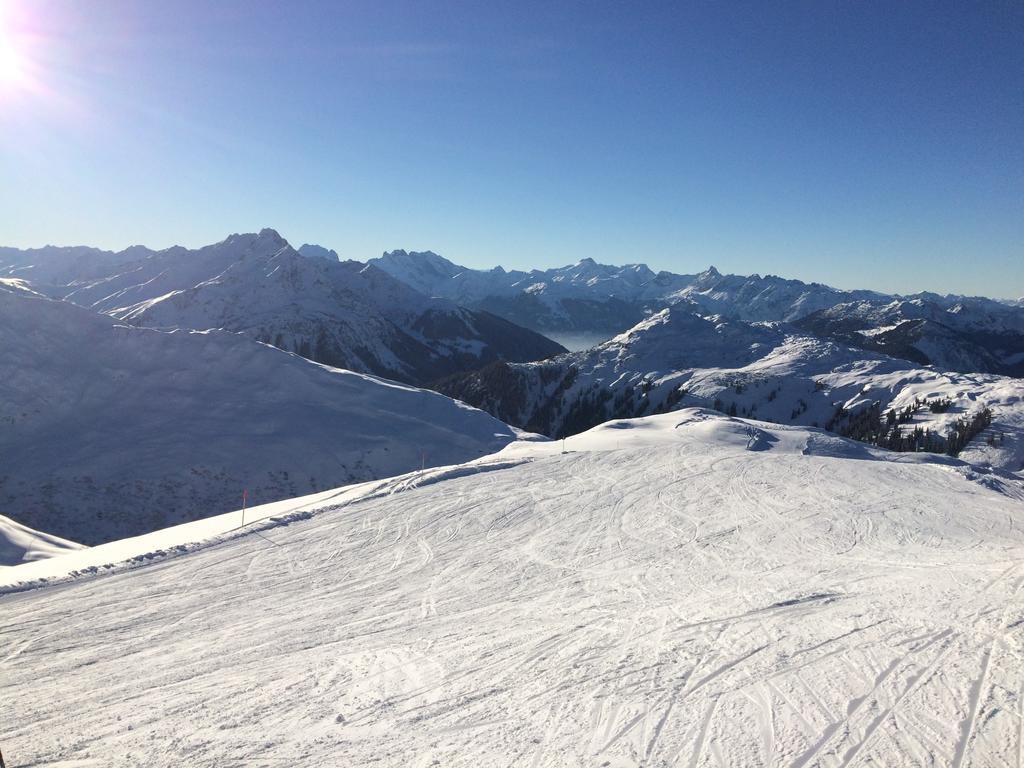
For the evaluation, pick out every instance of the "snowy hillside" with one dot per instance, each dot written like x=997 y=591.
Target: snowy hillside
x=683 y=589
x=951 y=332
x=676 y=359
x=340 y=313
x=20 y=544
x=108 y=431
x=962 y=335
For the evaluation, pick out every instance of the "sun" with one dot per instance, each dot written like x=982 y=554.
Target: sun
x=10 y=61
x=13 y=65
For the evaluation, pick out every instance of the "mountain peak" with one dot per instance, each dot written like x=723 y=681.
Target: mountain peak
x=312 y=251
x=270 y=238
x=403 y=264
x=266 y=235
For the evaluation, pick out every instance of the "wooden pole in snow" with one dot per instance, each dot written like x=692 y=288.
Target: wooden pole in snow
x=245 y=493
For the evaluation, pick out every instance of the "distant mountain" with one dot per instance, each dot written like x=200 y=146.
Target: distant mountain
x=951 y=332
x=109 y=431
x=318 y=252
x=769 y=371
x=754 y=298
x=344 y=314
x=636 y=286
x=583 y=297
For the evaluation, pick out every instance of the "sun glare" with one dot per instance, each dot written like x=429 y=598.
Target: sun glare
x=12 y=60
x=10 y=66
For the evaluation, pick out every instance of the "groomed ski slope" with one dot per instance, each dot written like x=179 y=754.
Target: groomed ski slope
x=681 y=590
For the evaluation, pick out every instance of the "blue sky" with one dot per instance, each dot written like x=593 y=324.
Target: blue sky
x=858 y=143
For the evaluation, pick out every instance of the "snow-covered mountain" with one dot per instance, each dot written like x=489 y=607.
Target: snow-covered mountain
x=108 y=430
x=549 y=298
x=684 y=589
x=951 y=332
x=344 y=314
x=318 y=252
x=585 y=297
x=765 y=370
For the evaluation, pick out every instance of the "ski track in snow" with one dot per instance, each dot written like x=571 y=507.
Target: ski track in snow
x=638 y=607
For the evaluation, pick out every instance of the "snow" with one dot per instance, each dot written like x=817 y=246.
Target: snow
x=749 y=298
x=436 y=276
x=318 y=252
x=109 y=431
x=15 y=284
x=684 y=589
x=20 y=544
x=345 y=314
x=765 y=370
x=881 y=329
x=953 y=332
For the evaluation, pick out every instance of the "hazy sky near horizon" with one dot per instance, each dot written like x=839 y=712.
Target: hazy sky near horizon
x=861 y=144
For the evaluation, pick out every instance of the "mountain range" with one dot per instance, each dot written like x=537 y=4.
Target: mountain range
x=780 y=525
x=146 y=384
x=344 y=314
x=598 y=301
x=770 y=371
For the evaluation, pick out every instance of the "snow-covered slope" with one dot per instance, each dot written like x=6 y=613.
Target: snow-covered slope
x=108 y=431
x=21 y=544
x=343 y=314
x=754 y=298
x=961 y=335
x=679 y=590
x=340 y=313
x=771 y=371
